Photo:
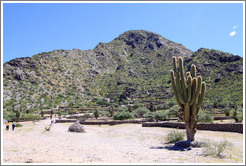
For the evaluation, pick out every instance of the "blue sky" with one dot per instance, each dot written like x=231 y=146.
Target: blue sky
x=31 y=28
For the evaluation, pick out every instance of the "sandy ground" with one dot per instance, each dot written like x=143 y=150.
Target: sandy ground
x=126 y=143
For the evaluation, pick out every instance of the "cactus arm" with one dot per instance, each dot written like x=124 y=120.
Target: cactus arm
x=194 y=87
x=179 y=93
x=203 y=91
x=189 y=88
x=193 y=71
x=198 y=91
x=183 y=81
x=174 y=88
x=174 y=64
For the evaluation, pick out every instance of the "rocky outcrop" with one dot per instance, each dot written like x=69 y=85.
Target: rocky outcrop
x=76 y=127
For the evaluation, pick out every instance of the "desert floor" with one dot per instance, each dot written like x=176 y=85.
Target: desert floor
x=125 y=143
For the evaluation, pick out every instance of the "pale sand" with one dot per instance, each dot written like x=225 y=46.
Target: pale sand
x=125 y=143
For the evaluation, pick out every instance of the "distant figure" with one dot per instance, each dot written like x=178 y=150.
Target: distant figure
x=53 y=121
x=7 y=126
x=13 y=126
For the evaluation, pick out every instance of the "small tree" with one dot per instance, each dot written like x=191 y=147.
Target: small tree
x=42 y=113
x=17 y=115
x=96 y=113
x=51 y=114
x=189 y=92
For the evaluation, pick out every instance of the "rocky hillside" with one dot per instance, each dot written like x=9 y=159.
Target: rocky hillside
x=133 y=67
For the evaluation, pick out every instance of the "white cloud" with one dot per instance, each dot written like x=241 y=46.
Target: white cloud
x=233 y=33
x=234 y=27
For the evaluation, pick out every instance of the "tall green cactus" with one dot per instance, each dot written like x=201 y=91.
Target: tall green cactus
x=189 y=92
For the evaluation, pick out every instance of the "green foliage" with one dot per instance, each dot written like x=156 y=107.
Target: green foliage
x=175 y=136
x=123 y=115
x=205 y=117
x=238 y=115
x=121 y=109
x=96 y=113
x=42 y=113
x=216 y=149
x=9 y=116
x=158 y=115
x=111 y=111
x=137 y=105
x=226 y=110
x=18 y=125
x=30 y=117
x=140 y=112
x=87 y=115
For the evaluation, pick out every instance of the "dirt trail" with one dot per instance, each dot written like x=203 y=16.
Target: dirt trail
x=126 y=143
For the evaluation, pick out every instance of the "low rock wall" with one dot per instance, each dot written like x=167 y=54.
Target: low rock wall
x=98 y=122
x=228 y=127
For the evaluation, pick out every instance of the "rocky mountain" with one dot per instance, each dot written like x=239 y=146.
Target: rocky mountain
x=133 y=67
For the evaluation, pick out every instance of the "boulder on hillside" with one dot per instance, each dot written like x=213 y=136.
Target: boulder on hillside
x=76 y=127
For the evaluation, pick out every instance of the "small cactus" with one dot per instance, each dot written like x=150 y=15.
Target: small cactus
x=189 y=91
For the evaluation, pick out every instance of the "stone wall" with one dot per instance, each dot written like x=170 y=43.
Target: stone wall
x=229 y=127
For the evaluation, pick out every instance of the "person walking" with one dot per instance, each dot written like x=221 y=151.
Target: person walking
x=13 y=126
x=7 y=126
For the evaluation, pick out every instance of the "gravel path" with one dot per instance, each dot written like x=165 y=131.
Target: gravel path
x=126 y=143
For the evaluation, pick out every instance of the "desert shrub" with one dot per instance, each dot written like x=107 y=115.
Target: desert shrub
x=122 y=109
x=18 y=125
x=238 y=115
x=175 y=136
x=140 y=112
x=9 y=116
x=137 y=105
x=161 y=115
x=71 y=111
x=104 y=113
x=150 y=116
x=171 y=104
x=96 y=114
x=215 y=149
x=111 y=112
x=158 y=115
x=87 y=115
x=123 y=115
x=30 y=117
x=205 y=117
x=226 y=111
x=42 y=113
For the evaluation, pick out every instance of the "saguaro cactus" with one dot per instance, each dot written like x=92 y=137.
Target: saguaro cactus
x=189 y=92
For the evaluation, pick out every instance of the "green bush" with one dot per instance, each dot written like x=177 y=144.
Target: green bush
x=123 y=115
x=158 y=115
x=9 y=116
x=18 y=125
x=140 y=112
x=205 y=117
x=175 y=136
x=161 y=115
x=96 y=114
x=215 y=149
x=30 y=117
x=122 y=109
x=137 y=105
x=238 y=115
